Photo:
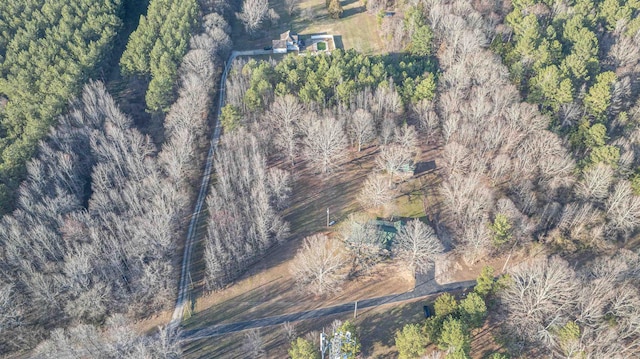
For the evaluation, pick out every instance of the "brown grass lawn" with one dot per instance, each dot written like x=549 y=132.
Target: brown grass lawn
x=357 y=29
x=267 y=288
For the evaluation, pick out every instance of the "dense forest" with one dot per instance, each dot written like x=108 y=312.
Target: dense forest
x=578 y=63
x=92 y=242
x=557 y=171
x=157 y=46
x=95 y=229
x=530 y=107
x=48 y=49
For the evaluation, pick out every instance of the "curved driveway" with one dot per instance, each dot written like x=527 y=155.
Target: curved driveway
x=183 y=289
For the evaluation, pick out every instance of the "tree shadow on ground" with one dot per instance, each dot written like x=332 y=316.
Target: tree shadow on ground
x=348 y=2
x=261 y=301
x=337 y=191
x=352 y=11
x=229 y=346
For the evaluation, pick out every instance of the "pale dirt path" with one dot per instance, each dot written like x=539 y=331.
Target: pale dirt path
x=183 y=289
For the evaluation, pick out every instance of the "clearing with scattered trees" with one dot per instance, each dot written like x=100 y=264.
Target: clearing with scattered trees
x=173 y=185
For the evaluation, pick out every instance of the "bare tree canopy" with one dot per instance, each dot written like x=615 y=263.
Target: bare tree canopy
x=118 y=340
x=361 y=128
x=393 y=159
x=325 y=143
x=417 y=245
x=285 y=114
x=243 y=221
x=253 y=344
x=376 y=191
x=291 y=6
x=547 y=300
x=253 y=14
x=364 y=243
x=318 y=265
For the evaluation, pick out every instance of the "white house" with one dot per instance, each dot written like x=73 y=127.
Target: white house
x=288 y=42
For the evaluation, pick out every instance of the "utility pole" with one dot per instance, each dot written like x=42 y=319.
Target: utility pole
x=355 y=310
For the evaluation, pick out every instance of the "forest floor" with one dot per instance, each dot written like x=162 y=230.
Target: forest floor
x=356 y=29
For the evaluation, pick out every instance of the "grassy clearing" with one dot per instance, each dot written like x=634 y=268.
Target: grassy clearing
x=274 y=338
x=356 y=29
x=268 y=290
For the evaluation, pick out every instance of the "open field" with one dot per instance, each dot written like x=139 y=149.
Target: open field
x=267 y=288
x=356 y=29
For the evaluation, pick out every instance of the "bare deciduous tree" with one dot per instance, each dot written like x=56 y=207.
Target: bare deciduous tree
x=318 y=264
x=394 y=159
x=595 y=183
x=118 y=340
x=387 y=127
x=376 y=191
x=273 y=17
x=547 y=298
x=253 y=14
x=167 y=343
x=289 y=330
x=285 y=113
x=200 y=63
x=361 y=128
x=623 y=209
x=456 y=157
x=407 y=138
x=325 y=143
x=427 y=117
x=243 y=221
x=253 y=344
x=291 y=6
x=364 y=243
x=418 y=245
x=540 y=294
